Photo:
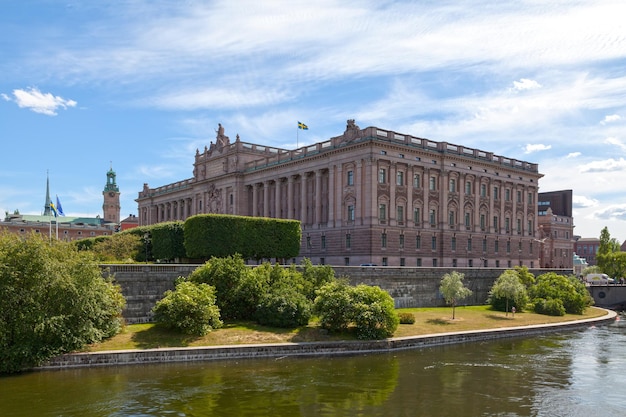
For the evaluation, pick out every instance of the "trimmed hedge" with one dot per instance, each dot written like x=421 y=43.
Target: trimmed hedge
x=220 y=235
x=168 y=240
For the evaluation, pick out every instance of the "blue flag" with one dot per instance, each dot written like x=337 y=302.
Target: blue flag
x=59 y=209
x=302 y=126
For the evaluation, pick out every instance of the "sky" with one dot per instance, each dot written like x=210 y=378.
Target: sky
x=139 y=85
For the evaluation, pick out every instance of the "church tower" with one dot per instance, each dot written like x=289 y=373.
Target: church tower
x=111 y=193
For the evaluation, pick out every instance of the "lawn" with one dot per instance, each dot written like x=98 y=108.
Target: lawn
x=427 y=321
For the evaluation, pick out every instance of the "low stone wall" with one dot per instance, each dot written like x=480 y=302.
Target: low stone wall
x=134 y=357
x=144 y=285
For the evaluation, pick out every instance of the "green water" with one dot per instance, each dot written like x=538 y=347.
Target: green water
x=570 y=374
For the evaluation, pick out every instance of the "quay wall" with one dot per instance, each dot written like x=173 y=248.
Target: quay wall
x=143 y=285
x=168 y=355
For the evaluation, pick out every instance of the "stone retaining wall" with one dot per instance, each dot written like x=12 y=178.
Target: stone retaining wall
x=144 y=285
x=133 y=357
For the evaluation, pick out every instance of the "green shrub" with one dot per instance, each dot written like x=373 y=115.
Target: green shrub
x=406 y=318
x=168 y=241
x=550 y=307
x=284 y=308
x=190 y=308
x=572 y=293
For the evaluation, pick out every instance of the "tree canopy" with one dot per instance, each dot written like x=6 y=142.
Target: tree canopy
x=453 y=290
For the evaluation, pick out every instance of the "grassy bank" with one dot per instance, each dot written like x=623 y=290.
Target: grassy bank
x=428 y=321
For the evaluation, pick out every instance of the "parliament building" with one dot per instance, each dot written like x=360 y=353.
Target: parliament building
x=369 y=197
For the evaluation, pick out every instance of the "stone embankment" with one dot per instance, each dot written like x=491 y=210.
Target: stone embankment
x=278 y=350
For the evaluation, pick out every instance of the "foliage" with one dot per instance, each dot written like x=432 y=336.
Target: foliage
x=452 y=289
x=144 y=233
x=569 y=290
x=238 y=290
x=252 y=237
x=190 y=308
x=315 y=276
x=369 y=309
x=525 y=276
x=168 y=240
x=118 y=247
x=593 y=269
x=406 y=318
x=613 y=264
x=284 y=307
x=53 y=300
x=509 y=291
x=549 y=307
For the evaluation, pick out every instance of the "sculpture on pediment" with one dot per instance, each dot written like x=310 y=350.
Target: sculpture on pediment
x=352 y=131
x=214 y=199
x=221 y=139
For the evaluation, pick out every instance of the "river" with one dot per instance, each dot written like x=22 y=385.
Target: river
x=574 y=373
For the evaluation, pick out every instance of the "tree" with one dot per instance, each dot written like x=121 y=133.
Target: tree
x=53 y=300
x=452 y=289
x=118 y=247
x=190 y=308
x=570 y=291
x=508 y=287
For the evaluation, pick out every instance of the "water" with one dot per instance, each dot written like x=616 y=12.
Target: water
x=578 y=373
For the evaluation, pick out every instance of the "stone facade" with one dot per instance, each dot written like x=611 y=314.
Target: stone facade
x=369 y=196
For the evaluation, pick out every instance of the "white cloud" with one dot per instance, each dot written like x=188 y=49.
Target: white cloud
x=580 y=201
x=537 y=147
x=615 y=142
x=5 y=97
x=573 y=155
x=44 y=103
x=613 y=212
x=611 y=118
x=525 y=84
x=607 y=165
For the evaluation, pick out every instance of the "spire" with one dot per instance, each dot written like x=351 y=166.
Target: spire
x=46 y=207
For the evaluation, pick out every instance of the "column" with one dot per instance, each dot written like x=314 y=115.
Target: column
x=303 y=192
x=317 y=200
x=331 y=196
x=266 y=198
x=255 y=199
x=289 y=197
x=277 y=201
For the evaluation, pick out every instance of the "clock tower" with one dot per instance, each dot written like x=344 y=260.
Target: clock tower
x=111 y=205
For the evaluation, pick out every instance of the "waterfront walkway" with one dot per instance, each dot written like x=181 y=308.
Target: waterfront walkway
x=279 y=350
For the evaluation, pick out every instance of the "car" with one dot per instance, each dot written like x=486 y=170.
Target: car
x=598 y=279
x=368 y=265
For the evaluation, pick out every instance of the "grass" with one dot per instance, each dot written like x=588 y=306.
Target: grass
x=428 y=321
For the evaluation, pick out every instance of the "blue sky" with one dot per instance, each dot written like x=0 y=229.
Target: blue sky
x=143 y=84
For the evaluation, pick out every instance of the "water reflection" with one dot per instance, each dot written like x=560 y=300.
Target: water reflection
x=570 y=374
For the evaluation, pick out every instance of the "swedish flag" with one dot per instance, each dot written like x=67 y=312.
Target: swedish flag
x=302 y=126
x=54 y=209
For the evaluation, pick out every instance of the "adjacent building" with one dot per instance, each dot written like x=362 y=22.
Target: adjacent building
x=69 y=228
x=369 y=196
x=556 y=229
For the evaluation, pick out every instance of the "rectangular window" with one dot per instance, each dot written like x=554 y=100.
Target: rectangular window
x=451 y=218
x=308 y=242
x=453 y=243
x=508 y=246
x=495 y=193
x=519 y=226
x=385 y=262
x=468 y=188
x=530 y=198
x=454 y=263
x=350 y=177
x=433 y=217
x=382 y=211
x=418 y=242
x=467 y=220
x=496 y=246
x=432 y=184
x=400 y=178
x=348 y=241
x=530 y=228
x=417 y=181
x=507 y=224
x=507 y=195
x=433 y=243
x=482 y=222
x=484 y=244
x=402 y=262
x=435 y=262
x=382 y=176
x=483 y=190
x=497 y=263
x=452 y=185
x=416 y=216
x=383 y=240
x=469 y=244
x=400 y=214
x=346 y=261
x=496 y=224
x=519 y=196
x=470 y=263
x=323 y=242
x=401 y=241
x=351 y=213
x=418 y=262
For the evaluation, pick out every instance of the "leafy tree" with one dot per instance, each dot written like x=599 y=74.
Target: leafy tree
x=118 y=247
x=315 y=276
x=525 y=276
x=53 y=300
x=569 y=290
x=452 y=289
x=190 y=308
x=508 y=290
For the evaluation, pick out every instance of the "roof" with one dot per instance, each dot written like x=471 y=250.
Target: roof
x=30 y=218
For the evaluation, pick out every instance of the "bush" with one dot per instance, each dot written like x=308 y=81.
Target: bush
x=369 y=309
x=571 y=292
x=284 y=308
x=190 y=308
x=53 y=300
x=406 y=318
x=550 y=307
